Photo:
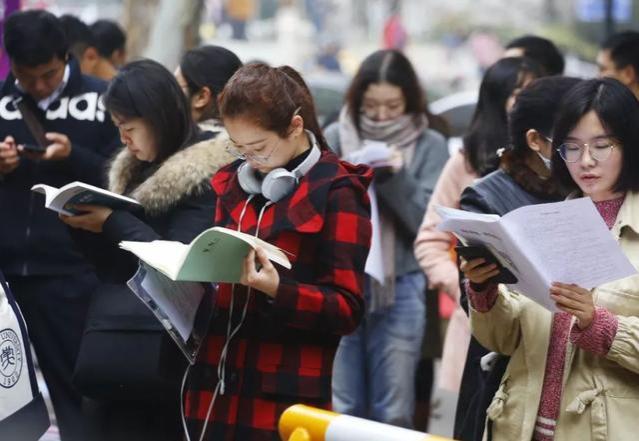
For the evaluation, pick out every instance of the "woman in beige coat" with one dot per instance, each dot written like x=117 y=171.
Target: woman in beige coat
x=574 y=375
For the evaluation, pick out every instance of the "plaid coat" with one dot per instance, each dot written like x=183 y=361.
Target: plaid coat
x=283 y=353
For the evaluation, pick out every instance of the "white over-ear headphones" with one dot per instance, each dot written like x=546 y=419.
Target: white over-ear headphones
x=279 y=182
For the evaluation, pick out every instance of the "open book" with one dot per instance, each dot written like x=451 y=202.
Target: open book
x=59 y=199
x=564 y=242
x=216 y=255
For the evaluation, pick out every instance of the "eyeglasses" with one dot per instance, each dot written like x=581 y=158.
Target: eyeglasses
x=234 y=151
x=572 y=152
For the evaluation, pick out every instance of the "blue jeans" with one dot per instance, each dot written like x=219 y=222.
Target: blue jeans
x=374 y=369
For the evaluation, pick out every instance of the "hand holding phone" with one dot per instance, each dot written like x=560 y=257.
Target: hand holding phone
x=9 y=159
x=34 y=125
x=488 y=270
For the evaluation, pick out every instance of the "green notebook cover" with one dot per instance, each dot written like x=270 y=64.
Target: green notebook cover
x=216 y=255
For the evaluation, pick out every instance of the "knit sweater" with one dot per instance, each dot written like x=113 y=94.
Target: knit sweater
x=596 y=338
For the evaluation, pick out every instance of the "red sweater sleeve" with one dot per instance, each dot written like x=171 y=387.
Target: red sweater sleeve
x=596 y=338
x=483 y=300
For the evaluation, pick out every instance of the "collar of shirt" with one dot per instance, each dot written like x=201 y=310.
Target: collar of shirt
x=44 y=103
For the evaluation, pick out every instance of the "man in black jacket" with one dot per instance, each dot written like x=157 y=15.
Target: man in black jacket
x=50 y=279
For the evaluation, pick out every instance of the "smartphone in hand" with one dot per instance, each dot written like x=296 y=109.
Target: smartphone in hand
x=477 y=251
x=34 y=125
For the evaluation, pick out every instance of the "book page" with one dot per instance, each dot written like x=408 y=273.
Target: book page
x=48 y=192
x=81 y=193
x=176 y=305
x=486 y=230
x=164 y=255
x=570 y=243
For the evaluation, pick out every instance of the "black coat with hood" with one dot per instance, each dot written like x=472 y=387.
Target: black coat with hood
x=177 y=198
x=179 y=204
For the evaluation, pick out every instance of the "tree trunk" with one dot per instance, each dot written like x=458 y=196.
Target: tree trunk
x=137 y=16
x=162 y=29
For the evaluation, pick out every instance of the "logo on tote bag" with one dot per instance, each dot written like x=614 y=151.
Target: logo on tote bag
x=10 y=358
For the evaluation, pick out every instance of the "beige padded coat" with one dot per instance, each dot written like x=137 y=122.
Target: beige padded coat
x=600 y=399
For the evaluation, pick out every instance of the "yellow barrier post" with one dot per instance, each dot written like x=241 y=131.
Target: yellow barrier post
x=304 y=423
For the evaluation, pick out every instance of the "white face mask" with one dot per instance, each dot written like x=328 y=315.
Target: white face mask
x=547 y=162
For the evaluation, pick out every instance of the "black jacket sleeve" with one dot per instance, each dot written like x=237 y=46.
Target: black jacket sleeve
x=475 y=201
x=183 y=223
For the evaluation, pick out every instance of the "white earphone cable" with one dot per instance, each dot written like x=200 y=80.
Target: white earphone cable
x=221 y=367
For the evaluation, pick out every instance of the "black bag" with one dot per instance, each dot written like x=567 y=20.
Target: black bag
x=125 y=352
x=23 y=413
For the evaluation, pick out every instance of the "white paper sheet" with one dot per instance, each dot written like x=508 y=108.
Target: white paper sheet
x=375 y=261
x=373 y=153
x=178 y=301
x=560 y=242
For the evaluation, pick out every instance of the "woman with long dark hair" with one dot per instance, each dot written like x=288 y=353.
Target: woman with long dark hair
x=573 y=374
x=524 y=177
x=375 y=367
x=487 y=134
x=166 y=164
x=272 y=342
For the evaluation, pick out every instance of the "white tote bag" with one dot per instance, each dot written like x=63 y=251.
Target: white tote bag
x=23 y=414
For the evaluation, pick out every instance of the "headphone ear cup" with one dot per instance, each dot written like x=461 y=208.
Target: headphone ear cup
x=247 y=179
x=278 y=184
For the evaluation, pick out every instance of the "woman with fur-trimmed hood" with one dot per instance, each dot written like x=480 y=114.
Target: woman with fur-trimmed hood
x=166 y=165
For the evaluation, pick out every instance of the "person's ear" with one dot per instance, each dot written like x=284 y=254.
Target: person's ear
x=535 y=140
x=628 y=75
x=202 y=98
x=297 y=125
x=90 y=59
x=117 y=58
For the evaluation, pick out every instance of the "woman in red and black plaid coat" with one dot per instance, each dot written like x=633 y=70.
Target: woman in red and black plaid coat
x=273 y=337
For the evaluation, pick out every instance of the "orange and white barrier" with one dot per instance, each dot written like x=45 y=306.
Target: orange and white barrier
x=304 y=423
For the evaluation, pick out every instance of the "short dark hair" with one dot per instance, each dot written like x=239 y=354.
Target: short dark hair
x=209 y=66
x=624 y=49
x=618 y=110
x=535 y=108
x=34 y=37
x=146 y=89
x=542 y=51
x=79 y=35
x=109 y=37
x=488 y=130
x=385 y=66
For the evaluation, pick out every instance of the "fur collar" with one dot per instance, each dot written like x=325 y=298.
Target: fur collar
x=517 y=168
x=185 y=173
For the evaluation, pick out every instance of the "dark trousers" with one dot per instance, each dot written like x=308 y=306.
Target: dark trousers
x=55 y=308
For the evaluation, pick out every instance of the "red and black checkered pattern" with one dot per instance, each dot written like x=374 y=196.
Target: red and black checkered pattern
x=284 y=352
